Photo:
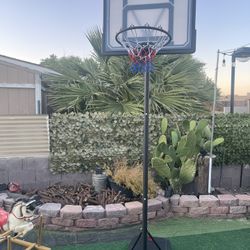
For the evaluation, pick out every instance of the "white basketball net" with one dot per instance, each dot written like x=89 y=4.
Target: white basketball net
x=143 y=43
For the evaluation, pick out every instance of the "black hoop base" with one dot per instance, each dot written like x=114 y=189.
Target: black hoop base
x=153 y=243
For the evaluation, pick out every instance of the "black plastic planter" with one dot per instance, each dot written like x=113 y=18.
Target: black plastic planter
x=118 y=188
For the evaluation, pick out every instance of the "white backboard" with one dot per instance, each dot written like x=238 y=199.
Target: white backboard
x=177 y=17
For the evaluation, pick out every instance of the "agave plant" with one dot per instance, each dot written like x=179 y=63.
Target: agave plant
x=175 y=157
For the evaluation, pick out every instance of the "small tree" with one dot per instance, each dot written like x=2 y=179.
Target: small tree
x=178 y=84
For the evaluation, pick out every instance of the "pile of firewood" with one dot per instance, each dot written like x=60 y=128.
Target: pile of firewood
x=80 y=194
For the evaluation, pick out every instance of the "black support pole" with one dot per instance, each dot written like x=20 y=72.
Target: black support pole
x=145 y=159
x=232 y=85
x=145 y=241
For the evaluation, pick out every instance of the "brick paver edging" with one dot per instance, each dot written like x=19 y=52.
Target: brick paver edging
x=73 y=218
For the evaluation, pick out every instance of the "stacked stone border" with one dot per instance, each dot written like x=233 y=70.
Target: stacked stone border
x=73 y=218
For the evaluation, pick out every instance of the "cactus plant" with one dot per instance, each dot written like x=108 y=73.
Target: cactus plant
x=175 y=156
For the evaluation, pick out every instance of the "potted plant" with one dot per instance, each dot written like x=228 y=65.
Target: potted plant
x=176 y=155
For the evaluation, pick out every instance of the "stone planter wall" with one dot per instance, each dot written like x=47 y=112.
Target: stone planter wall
x=73 y=218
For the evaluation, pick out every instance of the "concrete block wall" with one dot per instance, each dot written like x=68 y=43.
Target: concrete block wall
x=229 y=177
x=246 y=176
x=33 y=172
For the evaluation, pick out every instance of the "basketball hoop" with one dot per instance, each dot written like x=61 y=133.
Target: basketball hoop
x=142 y=44
x=168 y=19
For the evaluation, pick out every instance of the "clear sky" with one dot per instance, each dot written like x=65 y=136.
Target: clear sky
x=33 y=29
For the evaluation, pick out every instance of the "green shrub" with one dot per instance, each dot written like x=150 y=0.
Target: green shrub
x=235 y=129
x=78 y=141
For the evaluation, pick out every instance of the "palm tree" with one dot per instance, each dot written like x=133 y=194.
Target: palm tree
x=178 y=84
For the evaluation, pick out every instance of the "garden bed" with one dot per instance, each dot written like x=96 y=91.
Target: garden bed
x=74 y=218
x=79 y=194
x=77 y=208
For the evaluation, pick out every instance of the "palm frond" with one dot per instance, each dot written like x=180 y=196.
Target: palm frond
x=178 y=84
x=95 y=38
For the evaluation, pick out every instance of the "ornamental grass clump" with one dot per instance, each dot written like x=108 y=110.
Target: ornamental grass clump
x=131 y=177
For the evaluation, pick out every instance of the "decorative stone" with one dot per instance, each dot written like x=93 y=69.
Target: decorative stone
x=235 y=216
x=227 y=200
x=167 y=209
x=208 y=201
x=178 y=209
x=134 y=207
x=86 y=223
x=151 y=215
x=73 y=229
x=199 y=211
x=93 y=212
x=115 y=210
x=218 y=216
x=53 y=227
x=108 y=222
x=219 y=210
x=131 y=212
x=237 y=209
x=179 y=214
x=62 y=222
x=50 y=209
x=164 y=200
x=71 y=212
x=170 y=215
x=130 y=219
x=46 y=220
x=189 y=201
x=174 y=200
x=244 y=200
x=161 y=213
x=154 y=204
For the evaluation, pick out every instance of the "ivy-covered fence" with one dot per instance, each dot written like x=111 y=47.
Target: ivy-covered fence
x=79 y=141
x=235 y=128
